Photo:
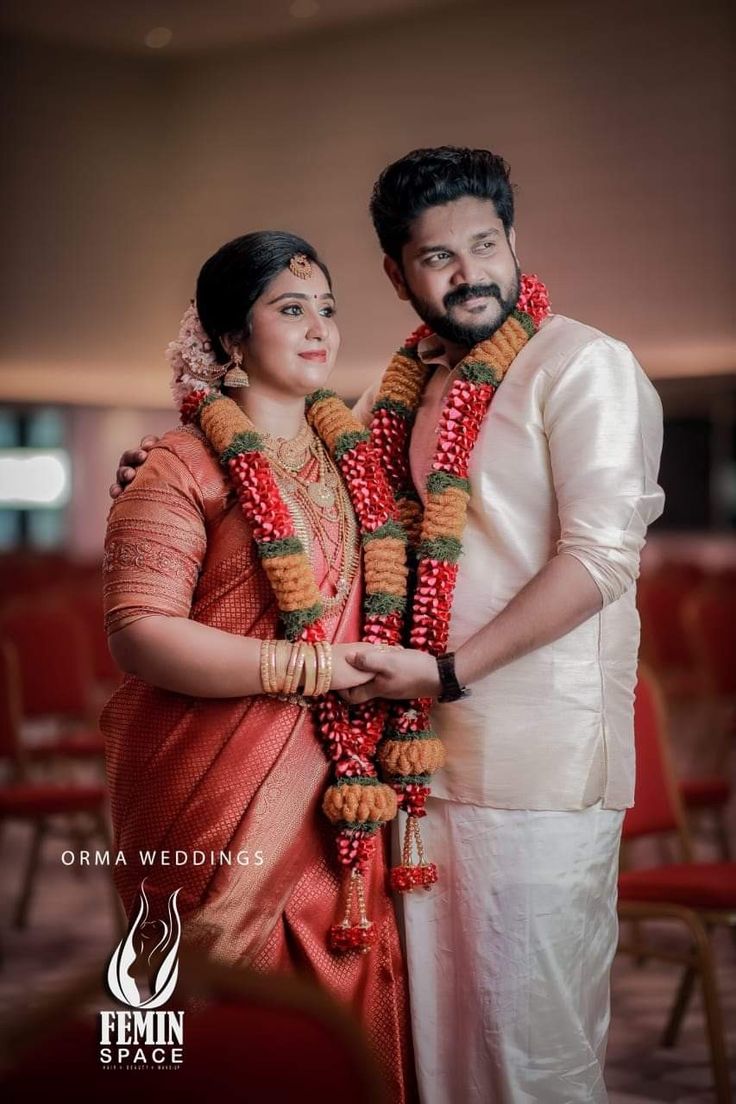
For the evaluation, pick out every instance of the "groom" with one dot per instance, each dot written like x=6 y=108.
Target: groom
x=509 y=955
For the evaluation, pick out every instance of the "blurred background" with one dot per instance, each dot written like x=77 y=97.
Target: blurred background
x=139 y=135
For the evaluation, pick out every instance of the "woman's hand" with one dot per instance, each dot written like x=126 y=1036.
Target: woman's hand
x=345 y=675
x=129 y=463
x=397 y=673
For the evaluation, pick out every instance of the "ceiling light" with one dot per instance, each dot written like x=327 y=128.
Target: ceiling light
x=158 y=37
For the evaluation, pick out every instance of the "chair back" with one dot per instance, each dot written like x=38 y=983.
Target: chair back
x=53 y=656
x=710 y=615
x=660 y=598
x=10 y=708
x=656 y=800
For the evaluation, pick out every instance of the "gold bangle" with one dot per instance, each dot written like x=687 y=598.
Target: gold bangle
x=320 y=653
x=283 y=652
x=310 y=671
x=291 y=664
x=267 y=681
x=272 y=666
x=292 y=686
x=324 y=678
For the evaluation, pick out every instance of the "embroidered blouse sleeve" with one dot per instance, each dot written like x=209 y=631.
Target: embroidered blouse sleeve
x=155 y=543
x=603 y=420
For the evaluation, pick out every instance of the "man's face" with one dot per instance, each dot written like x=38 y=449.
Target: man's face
x=459 y=270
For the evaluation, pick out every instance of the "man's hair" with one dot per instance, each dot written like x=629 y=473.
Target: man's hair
x=431 y=178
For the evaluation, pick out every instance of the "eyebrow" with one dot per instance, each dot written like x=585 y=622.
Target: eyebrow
x=493 y=232
x=299 y=295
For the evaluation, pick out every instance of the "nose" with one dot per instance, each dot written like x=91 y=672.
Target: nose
x=468 y=270
x=317 y=329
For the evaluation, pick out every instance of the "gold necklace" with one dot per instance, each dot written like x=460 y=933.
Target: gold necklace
x=309 y=515
x=292 y=453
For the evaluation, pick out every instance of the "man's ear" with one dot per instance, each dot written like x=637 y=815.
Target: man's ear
x=396 y=276
x=512 y=242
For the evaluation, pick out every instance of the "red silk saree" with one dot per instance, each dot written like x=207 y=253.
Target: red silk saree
x=239 y=781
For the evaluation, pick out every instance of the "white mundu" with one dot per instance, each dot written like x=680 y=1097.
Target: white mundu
x=526 y=815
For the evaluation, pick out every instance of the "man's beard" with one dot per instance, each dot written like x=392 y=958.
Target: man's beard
x=466 y=334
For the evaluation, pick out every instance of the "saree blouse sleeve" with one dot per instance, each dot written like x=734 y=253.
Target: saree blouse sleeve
x=155 y=544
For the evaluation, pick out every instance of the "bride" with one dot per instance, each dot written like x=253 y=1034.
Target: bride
x=253 y=551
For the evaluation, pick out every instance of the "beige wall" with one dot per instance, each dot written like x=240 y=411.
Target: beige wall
x=125 y=174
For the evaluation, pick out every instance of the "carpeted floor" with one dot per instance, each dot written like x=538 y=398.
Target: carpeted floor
x=72 y=928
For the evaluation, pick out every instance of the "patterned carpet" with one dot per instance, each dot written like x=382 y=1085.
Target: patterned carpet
x=72 y=929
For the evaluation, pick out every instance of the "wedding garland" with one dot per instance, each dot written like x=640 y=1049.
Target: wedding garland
x=358 y=803
x=411 y=753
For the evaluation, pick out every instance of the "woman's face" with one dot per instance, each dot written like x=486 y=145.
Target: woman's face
x=293 y=337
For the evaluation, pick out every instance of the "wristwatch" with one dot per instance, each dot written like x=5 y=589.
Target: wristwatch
x=451 y=690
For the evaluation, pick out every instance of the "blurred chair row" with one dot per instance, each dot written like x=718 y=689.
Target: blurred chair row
x=55 y=672
x=698 y=897
x=688 y=639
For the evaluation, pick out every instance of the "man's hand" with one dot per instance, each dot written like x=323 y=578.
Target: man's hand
x=129 y=463
x=398 y=673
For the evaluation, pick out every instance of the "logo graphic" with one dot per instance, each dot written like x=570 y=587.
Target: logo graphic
x=121 y=984
x=140 y=1036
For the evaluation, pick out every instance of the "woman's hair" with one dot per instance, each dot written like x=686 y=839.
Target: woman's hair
x=431 y=178
x=234 y=277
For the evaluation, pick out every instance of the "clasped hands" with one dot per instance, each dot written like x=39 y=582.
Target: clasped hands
x=396 y=673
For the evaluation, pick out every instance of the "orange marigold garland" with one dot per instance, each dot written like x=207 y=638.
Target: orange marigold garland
x=411 y=753
x=358 y=802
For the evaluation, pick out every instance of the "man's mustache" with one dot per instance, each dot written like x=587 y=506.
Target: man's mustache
x=471 y=291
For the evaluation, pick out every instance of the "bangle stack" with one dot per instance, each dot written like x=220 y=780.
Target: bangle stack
x=294 y=670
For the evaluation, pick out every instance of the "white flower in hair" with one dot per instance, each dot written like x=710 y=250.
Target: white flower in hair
x=193 y=362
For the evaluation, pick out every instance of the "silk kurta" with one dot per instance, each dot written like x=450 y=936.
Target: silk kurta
x=566 y=461
x=242 y=776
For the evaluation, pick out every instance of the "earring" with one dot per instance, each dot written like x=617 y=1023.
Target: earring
x=236 y=376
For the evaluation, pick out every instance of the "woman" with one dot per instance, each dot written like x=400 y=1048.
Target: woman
x=218 y=762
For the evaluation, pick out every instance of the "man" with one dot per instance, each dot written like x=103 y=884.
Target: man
x=509 y=955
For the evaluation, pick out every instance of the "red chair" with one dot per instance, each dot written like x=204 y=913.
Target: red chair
x=84 y=595
x=709 y=616
x=56 y=674
x=666 y=646
x=37 y=803
x=698 y=896
x=250 y=1038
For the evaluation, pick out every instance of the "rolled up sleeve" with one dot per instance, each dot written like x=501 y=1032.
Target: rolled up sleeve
x=603 y=420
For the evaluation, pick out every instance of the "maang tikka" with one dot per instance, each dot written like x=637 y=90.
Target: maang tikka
x=236 y=376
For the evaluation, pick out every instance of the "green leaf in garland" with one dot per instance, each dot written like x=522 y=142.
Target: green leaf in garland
x=319 y=395
x=296 y=621
x=439 y=481
x=390 y=529
x=380 y=605
x=441 y=548
x=250 y=441
x=347 y=441
x=287 y=546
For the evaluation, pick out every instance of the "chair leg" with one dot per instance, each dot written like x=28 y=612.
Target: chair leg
x=682 y=999
x=713 y=1013
x=20 y=919
x=722 y=838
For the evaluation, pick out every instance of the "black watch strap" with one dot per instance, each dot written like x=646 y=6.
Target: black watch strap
x=450 y=690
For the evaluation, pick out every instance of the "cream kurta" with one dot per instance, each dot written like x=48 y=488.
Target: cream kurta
x=566 y=461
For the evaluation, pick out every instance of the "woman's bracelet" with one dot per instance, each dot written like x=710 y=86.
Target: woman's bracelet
x=290 y=669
